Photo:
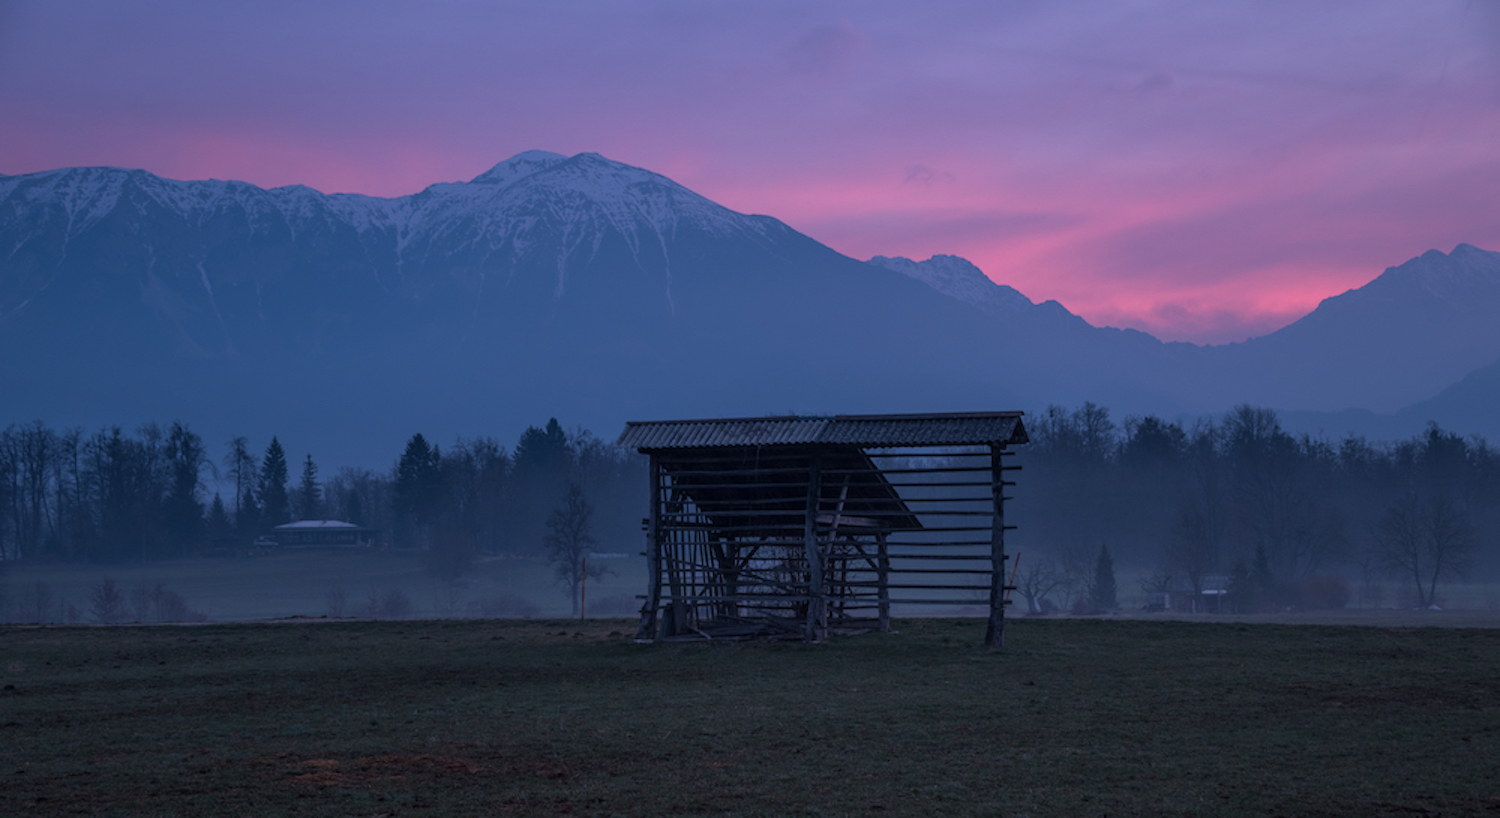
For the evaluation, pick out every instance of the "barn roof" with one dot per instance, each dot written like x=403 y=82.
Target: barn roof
x=862 y=431
x=759 y=495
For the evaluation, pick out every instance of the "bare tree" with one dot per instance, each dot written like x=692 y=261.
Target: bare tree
x=1426 y=541
x=1076 y=569
x=1040 y=578
x=569 y=539
x=1192 y=551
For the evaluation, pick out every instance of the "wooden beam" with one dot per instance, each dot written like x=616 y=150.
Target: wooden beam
x=815 y=589
x=646 y=630
x=994 y=634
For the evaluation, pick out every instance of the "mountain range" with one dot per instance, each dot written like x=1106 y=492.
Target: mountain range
x=597 y=292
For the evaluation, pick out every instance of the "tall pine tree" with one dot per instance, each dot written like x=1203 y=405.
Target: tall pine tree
x=309 y=495
x=274 y=506
x=418 y=487
x=1102 y=591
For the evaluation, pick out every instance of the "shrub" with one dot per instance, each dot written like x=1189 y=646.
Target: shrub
x=626 y=604
x=505 y=606
x=1323 y=593
x=106 y=603
x=392 y=603
x=35 y=604
x=337 y=599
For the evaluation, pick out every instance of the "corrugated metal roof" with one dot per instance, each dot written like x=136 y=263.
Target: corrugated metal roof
x=865 y=431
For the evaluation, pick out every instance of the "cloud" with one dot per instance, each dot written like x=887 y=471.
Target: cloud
x=827 y=49
x=925 y=176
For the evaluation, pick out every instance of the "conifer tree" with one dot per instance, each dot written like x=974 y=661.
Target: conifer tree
x=218 y=519
x=309 y=494
x=418 y=485
x=274 y=506
x=247 y=518
x=1102 y=591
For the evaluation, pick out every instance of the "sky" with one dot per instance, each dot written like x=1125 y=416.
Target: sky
x=1206 y=172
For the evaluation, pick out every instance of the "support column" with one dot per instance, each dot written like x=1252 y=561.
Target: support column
x=646 y=631
x=994 y=635
x=885 y=578
x=816 y=593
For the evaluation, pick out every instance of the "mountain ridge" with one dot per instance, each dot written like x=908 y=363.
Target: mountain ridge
x=549 y=283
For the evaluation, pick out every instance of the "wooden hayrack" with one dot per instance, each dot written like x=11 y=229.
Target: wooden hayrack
x=798 y=527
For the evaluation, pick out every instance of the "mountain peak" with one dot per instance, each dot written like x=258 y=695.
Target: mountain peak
x=518 y=167
x=958 y=278
x=1460 y=276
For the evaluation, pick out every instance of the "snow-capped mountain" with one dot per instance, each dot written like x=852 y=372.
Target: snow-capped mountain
x=597 y=292
x=959 y=278
x=568 y=286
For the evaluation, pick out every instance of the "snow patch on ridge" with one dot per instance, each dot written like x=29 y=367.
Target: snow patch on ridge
x=958 y=278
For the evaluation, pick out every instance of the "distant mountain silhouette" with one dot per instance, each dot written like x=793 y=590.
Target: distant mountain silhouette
x=597 y=292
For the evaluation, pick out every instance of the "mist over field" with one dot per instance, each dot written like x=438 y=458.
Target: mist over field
x=1229 y=515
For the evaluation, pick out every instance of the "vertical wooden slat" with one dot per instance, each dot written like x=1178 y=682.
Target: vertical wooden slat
x=994 y=635
x=646 y=631
x=815 y=589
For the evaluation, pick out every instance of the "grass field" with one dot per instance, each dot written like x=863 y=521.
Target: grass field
x=501 y=717
x=300 y=583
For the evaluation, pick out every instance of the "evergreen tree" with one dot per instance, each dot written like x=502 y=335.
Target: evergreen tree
x=543 y=466
x=1102 y=591
x=219 y=526
x=418 y=486
x=1242 y=592
x=247 y=518
x=354 y=508
x=274 y=505
x=1265 y=580
x=309 y=494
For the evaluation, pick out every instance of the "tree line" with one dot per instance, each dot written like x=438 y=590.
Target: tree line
x=113 y=496
x=1285 y=518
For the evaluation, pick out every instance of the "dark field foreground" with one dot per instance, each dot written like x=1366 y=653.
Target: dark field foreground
x=1075 y=717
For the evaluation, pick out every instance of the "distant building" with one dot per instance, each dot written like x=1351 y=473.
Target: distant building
x=1183 y=600
x=323 y=534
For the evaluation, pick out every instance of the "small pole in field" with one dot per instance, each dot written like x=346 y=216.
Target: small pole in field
x=583 y=590
x=1014 y=567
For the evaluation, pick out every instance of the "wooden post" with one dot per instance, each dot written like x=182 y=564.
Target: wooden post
x=885 y=590
x=815 y=588
x=646 y=631
x=994 y=635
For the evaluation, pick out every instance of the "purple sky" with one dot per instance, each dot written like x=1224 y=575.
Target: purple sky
x=1203 y=171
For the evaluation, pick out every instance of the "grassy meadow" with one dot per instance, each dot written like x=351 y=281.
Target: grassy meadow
x=552 y=717
x=317 y=583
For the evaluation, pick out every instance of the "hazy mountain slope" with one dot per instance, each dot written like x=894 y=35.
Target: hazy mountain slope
x=1400 y=339
x=574 y=287
x=599 y=292
x=1471 y=406
x=1408 y=334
